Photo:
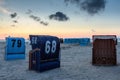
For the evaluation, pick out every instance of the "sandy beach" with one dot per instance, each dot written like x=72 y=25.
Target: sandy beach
x=75 y=65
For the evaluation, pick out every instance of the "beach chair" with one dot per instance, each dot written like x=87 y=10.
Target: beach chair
x=48 y=57
x=15 y=48
x=104 y=50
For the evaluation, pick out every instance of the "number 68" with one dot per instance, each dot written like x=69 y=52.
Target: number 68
x=49 y=48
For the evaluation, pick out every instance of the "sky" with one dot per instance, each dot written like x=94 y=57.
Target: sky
x=61 y=18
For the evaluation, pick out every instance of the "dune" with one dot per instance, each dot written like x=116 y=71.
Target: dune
x=75 y=65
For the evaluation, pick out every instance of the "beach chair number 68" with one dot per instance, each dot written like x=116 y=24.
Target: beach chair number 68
x=16 y=41
x=49 y=48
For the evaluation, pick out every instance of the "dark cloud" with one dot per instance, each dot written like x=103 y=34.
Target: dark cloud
x=44 y=23
x=13 y=15
x=93 y=6
x=37 y=19
x=59 y=16
x=15 y=21
x=90 y=6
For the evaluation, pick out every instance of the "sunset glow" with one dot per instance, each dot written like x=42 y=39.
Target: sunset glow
x=33 y=18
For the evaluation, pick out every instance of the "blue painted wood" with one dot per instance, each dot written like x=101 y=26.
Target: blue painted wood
x=15 y=48
x=84 y=41
x=49 y=55
x=81 y=41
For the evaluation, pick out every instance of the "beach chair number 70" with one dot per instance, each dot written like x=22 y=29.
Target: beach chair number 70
x=16 y=41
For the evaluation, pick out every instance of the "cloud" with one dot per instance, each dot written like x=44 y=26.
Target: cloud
x=59 y=16
x=13 y=15
x=90 y=6
x=14 y=18
x=93 y=6
x=15 y=21
x=44 y=23
x=37 y=19
x=29 y=11
x=4 y=10
x=8 y=12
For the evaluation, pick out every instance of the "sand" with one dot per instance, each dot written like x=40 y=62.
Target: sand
x=75 y=65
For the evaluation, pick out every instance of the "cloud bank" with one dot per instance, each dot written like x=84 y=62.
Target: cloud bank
x=90 y=6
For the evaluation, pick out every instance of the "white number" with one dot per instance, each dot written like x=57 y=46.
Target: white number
x=48 y=48
x=53 y=49
x=34 y=40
